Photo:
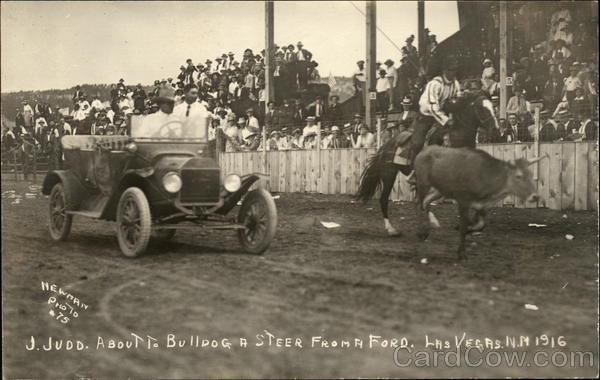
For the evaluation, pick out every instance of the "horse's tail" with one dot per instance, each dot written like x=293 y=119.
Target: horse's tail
x=370 y=179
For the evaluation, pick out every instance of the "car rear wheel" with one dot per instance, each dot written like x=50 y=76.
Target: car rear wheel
x=59 y=222
x=259 y=214
x=134 y=222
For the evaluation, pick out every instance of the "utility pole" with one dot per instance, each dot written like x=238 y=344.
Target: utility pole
x=503 y=58
x=269 y=59
x=422 y=46
x=370 y=92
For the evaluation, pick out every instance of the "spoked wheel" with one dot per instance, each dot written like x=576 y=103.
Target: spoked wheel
x=59 y=223
x=134 y=222
x=259 y=214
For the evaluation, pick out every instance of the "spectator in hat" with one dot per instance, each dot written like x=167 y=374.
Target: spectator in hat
x=250 y=137
x=487 y=76
x=195 y=117
x=299 y=115
x=333 y=113
x=383 y=90
x=271 y=118
x=519 y=106
x=273 y=142
x=336 y=139
x=303 y=57
x=359 y=78
x=580 y=105
x=548 y=130
x=252 y=120
x=391 y=73
x=317 y=109
x=519 y=131
x=355 y=126
x=572 y=83
x=390 y=130
x=365 y=138
x=309 y=133
x=296 y=140
x=139 y=98
x=410 y=49
x=552 y=91
x=407 y=115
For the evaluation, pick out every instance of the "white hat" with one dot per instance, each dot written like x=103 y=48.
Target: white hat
x=335 y=128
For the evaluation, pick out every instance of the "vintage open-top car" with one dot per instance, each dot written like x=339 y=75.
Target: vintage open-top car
x=152 y=186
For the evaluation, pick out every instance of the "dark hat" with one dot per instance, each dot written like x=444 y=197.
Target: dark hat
x=250 y=110
x=389 y=62
x=230 y=53
x=157 y=82
x=299 y=43
x=208 y=61
x=360 y=61
x=334 y=96
x=165 y=95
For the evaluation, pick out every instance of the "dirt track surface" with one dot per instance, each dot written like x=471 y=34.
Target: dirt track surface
x=341 y=283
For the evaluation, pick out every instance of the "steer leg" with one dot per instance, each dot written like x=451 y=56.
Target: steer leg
x=422 y=190
x=463 y=210
x=479 y=220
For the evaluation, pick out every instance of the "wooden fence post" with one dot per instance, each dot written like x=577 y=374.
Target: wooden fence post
x=378 y=132
x=35 y=165
x=15 y=164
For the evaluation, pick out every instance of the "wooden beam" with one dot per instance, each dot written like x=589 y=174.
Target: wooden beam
x=503 y=59
x=371 y=63
x=269 y=60
x=422 y=46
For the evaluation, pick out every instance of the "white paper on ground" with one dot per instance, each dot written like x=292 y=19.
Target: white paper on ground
x=330 y=225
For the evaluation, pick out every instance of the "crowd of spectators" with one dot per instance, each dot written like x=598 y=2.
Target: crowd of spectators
x=559 y=75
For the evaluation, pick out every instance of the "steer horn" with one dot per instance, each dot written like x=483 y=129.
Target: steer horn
x=534 y=160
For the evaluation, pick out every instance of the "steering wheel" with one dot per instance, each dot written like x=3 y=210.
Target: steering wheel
x=168 y=130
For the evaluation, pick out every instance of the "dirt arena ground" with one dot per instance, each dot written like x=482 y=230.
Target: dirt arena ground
x=339 y=284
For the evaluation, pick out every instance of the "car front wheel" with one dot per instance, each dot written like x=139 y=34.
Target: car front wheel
x=59 y=222
x=134 y=222
x=258 y=214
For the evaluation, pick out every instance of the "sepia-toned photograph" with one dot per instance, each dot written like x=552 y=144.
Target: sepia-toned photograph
x=299 y=189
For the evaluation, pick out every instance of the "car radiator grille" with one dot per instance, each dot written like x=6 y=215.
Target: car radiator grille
x=200 y=186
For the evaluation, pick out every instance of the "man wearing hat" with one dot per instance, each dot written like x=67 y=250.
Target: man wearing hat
x=317 y=109
x=337 y=139
x=391 y=73
x=487 y=76
x=356 y=125
x=365 y=139
x=359 y=78
x=303 y=57
x=251 y=137
x=271 y=117
x=407 y=115
x=572 y=83
x=334 y=112
x=410 y=49
x=518 y=105
x=162 y=123
x=431 y=114
x=309 y=133
x=252 y=120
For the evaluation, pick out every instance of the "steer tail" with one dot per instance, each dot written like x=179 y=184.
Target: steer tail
x=370 y=179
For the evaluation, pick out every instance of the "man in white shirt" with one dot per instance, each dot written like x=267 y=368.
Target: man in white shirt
x=392 y=75
x=194 y=116
x=359 y=77
x=382 y=87
x=437 y=92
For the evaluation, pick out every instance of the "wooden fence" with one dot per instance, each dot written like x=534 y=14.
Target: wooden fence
x=567 y=180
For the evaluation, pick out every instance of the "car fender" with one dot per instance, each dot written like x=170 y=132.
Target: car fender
x=72 y=184
x=129 y=178
x=231 y=199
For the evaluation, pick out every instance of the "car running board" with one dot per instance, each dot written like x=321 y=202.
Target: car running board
x=92 y=207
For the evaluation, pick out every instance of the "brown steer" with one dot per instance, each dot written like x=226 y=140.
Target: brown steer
x=474 y=179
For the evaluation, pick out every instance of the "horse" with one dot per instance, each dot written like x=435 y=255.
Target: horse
x=469 y=112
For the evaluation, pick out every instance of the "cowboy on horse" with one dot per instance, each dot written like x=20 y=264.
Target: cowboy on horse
x=439 y=99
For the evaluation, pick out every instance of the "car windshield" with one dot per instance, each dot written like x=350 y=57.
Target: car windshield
x=162 y=126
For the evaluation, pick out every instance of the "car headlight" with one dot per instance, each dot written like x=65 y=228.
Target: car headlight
x=232 y=183
x=172 y=182
x=131 y=147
